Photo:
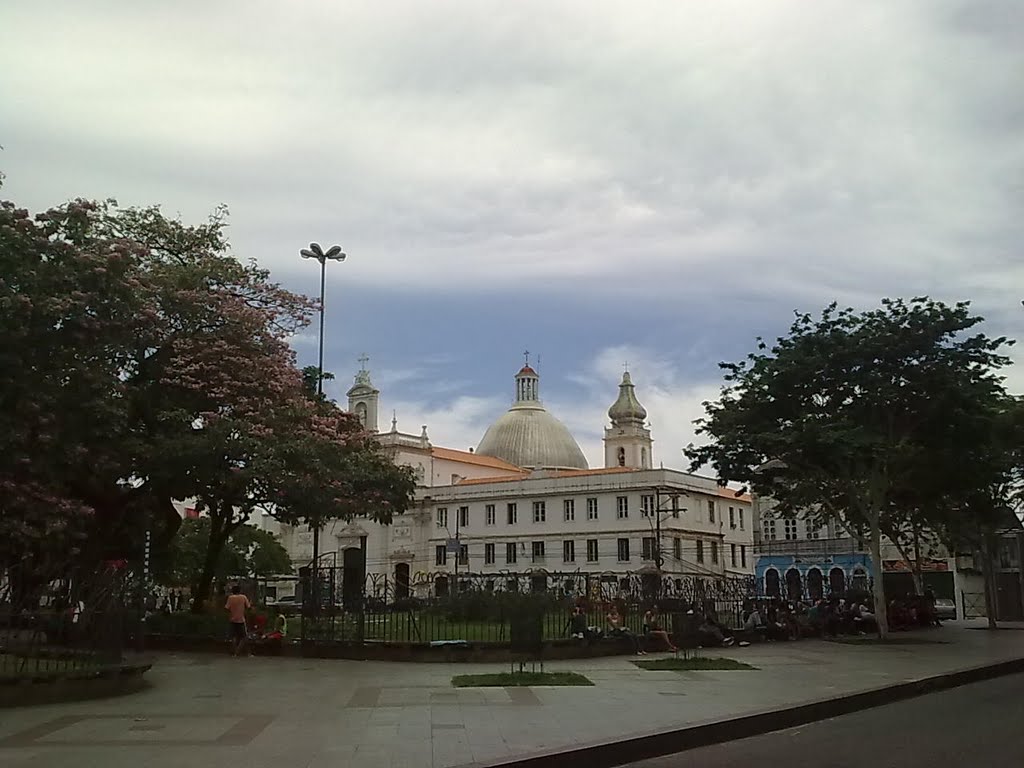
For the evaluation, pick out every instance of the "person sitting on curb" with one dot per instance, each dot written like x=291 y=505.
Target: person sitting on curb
x=654 y=628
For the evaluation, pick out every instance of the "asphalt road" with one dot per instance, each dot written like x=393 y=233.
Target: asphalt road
x=975 y=725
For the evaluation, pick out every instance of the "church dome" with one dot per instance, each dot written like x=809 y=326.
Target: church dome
x=528 y=436
x=627 y=409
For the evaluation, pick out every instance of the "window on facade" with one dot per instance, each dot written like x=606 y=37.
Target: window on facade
x=569 y=551
x=569 y=510
x=442 y=517
x=647 y=548
x=700 y=551
x=732 y=554
x=489 y=514
x=790 y=528
x=538 y=551
x=741 y=518
x=623 y=550
x=643 y=458
x=591 y=509
x=488 y=554
x=540 y=512
x=513 y=514
x=732 y=517
x=647 y=505
x=677 y=548
x=463 y=517
x=622 y=457
x=813 y=532
x=675 y=506
x=464 y=554
x=622 y=507
x=714 y=552
x=510 y=552
x=440 y=555
x=770 y=534
x=711 y=510
x=591 y=550
x=743 y=556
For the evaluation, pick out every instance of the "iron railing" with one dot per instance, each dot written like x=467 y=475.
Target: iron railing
x=60 y=619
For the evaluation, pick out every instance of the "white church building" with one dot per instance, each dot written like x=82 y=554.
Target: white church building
x=526 y=501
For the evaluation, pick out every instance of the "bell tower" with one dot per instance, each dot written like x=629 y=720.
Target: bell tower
x=363 y=398
x=627 y=442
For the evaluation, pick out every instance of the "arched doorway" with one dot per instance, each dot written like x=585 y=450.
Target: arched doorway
x=837 y=582
x=401 y=581
x=815 y=584
x=441 y=586
x=794 y=587
x=859 y=580
x=771 y=583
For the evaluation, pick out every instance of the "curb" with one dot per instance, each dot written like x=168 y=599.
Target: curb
x=631 y=749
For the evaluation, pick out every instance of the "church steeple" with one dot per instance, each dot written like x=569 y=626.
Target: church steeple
x=527 y=383
x=627 y=409
x=627 y=443
x=363 y=397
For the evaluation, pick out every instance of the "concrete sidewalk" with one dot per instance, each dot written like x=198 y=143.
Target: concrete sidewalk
x=216 y=710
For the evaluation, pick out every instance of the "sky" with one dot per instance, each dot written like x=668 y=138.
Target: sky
x=596 y=182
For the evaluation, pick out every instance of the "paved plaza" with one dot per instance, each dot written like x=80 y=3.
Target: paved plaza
x=209 y=710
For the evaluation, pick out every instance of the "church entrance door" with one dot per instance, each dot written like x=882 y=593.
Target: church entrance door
x=401 y=581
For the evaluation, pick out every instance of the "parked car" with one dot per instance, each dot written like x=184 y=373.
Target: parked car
x=945 y=609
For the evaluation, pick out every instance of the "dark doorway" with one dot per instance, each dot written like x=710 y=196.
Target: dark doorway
x=815 y=584
x=441 y=586
x=794 y=588
x=401 y=581
x=771 y=583
x=353 y=578
x=836 y=582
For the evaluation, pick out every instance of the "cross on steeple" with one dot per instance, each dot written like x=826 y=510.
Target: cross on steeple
x=625 y=366
x=526 y=356
x=363 y=360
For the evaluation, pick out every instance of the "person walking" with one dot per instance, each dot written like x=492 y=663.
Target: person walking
x=236 y=606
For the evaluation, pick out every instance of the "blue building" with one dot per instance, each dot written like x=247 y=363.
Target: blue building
x=811 y=569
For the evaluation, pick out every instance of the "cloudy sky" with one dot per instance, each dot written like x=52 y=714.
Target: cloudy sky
x=597 y=182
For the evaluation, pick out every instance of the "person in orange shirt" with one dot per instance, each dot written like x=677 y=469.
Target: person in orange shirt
x=236 y=606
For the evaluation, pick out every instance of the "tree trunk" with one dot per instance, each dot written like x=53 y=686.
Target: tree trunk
x=916 y=568
x=215 y=546
x=877 y=587
x=988 y=573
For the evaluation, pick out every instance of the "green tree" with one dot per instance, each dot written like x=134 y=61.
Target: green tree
x=834 y=418
x=250 y=552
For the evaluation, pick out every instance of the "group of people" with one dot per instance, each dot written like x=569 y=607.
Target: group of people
x=655 y=635
x=246 y=624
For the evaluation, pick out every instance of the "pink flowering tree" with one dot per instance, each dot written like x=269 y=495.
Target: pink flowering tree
x=142 y=363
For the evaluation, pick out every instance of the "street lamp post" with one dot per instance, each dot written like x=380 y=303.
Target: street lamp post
x=334 y=253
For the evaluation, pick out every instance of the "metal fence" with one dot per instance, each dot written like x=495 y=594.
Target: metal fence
x=439 y=607
x=58 y=618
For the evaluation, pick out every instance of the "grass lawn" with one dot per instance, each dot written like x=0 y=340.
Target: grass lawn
x=513 y=679
x=698 y=663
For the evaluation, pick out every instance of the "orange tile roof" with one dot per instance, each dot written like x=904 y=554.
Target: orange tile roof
x=467 y=457
x=729 y=493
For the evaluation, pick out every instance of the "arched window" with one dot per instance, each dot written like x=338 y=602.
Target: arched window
x=622 y=457
x=794 y=590
x=361 y=413
x=771 y=583
x=643 y=458
x=815 y=584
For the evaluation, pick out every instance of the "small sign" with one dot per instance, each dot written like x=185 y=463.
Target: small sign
x=452 y=546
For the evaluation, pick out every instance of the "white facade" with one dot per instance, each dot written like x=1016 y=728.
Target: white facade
x=508 y=518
